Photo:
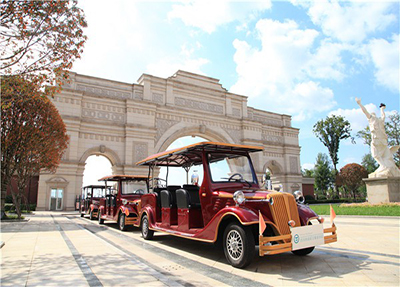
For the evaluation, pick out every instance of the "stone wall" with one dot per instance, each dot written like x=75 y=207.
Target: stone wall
x=127 y=122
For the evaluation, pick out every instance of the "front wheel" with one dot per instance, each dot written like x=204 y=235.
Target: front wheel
x=146 y=232
x=101 y=221
x=239 y=245
x=91 y=215
x=303 y=252
x=121 y=222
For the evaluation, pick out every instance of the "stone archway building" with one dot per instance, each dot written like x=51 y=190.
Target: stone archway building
x=127 y=122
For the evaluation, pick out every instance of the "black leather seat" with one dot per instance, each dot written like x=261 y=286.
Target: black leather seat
x=188 y=197
x=193 y=191
x=168 y=196
x=157 y=191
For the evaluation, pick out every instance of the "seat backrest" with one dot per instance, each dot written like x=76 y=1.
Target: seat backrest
x=157 y=191
x=172 y=189
x=166 y=199
x=182 y=198
x=193 y=191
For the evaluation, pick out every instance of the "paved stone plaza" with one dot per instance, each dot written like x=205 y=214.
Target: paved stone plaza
x=56 y=249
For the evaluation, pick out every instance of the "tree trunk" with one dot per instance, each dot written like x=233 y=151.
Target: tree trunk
x=17 y=204
x=335 y=188
x=3 y=201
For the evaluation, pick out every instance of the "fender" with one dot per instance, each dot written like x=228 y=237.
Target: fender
x=93 y=206
x=150 y=214
x=127 y=209
x=305 y=213
x=244 y=215
x=101 y=210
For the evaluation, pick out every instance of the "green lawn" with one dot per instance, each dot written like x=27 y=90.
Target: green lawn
x=391 y=209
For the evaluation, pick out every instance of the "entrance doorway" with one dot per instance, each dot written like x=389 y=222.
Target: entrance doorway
x=56 y=199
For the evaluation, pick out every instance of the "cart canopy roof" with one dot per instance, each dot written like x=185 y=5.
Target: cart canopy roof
x=123 y=177
x=94 y=186
x=192 y=154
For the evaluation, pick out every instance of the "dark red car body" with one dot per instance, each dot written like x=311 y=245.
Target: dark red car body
x=90 y=200
x=120 y=206
x=213 y=211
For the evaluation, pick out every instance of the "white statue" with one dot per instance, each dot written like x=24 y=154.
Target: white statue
x=379 y=144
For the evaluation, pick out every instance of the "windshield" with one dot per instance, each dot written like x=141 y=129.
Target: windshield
x=134 y=187
x=98 y=192
x=231 y=168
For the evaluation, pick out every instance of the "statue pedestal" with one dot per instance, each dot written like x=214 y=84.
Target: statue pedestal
x=383 y=189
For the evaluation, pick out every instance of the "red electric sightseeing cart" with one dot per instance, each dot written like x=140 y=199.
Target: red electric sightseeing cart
x=90 y=200
x=228 y=205
x=122 y=199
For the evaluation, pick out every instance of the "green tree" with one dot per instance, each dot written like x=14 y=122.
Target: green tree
x=392 y=128
x=33 y=135
x=322 y=174
x=330 y=132
x=308 y=172
x=351 y=176
x=40 y=39
x=369 y=163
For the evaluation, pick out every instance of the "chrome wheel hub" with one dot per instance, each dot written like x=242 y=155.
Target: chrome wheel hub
x=234 y=244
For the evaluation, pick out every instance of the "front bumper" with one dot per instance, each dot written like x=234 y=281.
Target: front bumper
x=283 y=243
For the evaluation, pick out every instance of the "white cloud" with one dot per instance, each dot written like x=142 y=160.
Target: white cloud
x=348 y=160
x=327 y=61
x=280 y=71
x=350 y=21
x=357 y=118
x=308 y=166
x=385 y=56
x=167 y=66
x=111 y=37
x=209 y=14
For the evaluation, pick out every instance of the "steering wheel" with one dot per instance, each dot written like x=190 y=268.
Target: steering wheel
x=236 y=174
x=139 y=191
x=160 y=182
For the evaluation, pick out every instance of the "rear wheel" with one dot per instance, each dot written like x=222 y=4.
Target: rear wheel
x=146 y=232
x=239 y=245
x=101 y=221
x=121 y=222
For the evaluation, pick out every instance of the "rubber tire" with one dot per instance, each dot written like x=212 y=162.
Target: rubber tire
x=82 y=215
x=101 y=221
x=144 y=226
x=121 y=218
x=248 y=245
x=91 y=215
x=303 y=252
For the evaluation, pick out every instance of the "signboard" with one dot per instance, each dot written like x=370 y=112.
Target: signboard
x=307 y=236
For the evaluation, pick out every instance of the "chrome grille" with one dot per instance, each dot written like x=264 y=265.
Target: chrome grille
x=284 y=209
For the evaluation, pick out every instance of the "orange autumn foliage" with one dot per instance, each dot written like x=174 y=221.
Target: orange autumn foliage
x=41 y=39
x=33 y=135
x=351 y=175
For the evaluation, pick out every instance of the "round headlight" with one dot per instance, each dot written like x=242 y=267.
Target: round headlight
x=238 y=197
x=298 y=195
x=124 y=201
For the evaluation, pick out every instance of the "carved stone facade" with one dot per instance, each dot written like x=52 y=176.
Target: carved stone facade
x=127 y=122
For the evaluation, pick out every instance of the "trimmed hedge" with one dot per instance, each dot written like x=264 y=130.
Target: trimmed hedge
x=9 y=207
x=341 y=200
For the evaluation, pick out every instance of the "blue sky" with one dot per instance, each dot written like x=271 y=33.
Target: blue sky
x=305 y=59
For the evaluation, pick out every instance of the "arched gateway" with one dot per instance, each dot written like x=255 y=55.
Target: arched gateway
x=128 y=122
